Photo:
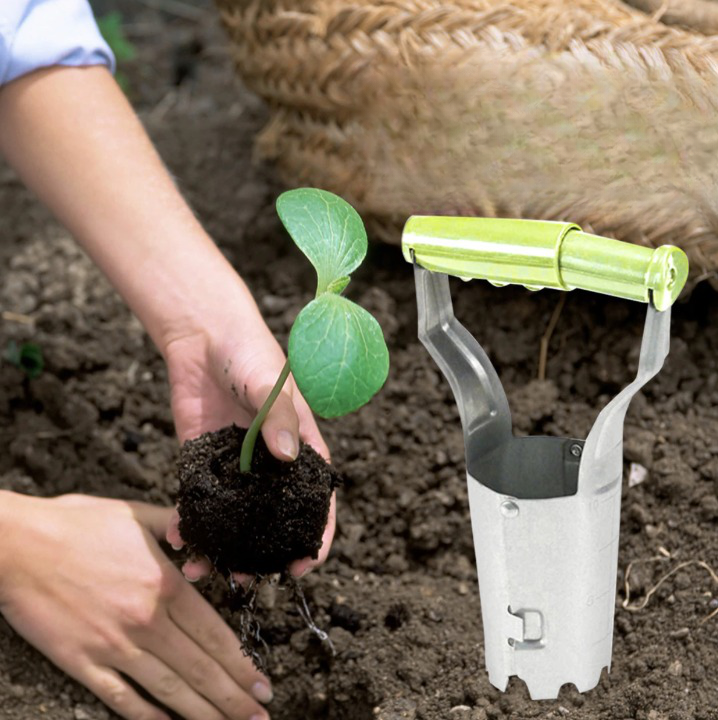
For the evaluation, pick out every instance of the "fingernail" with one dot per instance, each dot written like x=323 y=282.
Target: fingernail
x=258 y=717
x=176 y=548
x=193 y=577
x=264 y=694
x=244 y=581
x=287 y=444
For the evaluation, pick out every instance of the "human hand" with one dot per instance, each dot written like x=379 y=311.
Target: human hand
x=84 y=581
x=142 y=234
x=215 y=382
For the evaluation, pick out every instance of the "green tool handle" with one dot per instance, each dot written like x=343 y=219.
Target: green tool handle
x=540 y=254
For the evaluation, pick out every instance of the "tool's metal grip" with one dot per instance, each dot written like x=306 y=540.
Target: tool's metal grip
x=541 y=254
x=602 y=462
x=480 y=397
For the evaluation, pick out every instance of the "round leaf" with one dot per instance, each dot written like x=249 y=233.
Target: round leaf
x=338 y=355
x=328 y=230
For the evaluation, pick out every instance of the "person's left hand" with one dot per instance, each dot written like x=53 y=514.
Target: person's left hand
x=215 y=383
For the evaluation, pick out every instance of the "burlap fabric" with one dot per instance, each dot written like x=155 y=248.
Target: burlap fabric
x=583 y=110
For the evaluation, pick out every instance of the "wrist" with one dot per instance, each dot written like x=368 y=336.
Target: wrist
x=198 y=295
x=11 y=510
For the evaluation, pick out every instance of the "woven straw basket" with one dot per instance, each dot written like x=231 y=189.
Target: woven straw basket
x=584 y=110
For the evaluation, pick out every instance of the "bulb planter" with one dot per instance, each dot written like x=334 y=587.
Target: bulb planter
x=545 y=511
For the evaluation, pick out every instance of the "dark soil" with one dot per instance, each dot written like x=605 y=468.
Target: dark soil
x=257 y=522
x=398 y=593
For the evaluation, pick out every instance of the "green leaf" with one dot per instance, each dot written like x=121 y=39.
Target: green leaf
x=338 y=355
x=27 y=357
x=31 y=360
x=328 y=230
x=337 y=351
x=112 y=28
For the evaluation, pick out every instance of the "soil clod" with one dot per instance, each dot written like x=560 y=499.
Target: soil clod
x=255 y=523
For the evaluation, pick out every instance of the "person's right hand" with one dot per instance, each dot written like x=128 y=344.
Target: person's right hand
x=84 y=581
x=221 y=373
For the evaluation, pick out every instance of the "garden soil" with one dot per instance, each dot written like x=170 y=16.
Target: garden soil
x=398 y=594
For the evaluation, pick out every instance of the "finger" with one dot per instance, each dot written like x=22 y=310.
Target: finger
x=308 y=429
x=280 y=428
x=196 y=568
x=203 y=673
x=169 y=688
x=299 y=568
x=201 y=622
x=243 y=580
x=173 y=536
x=74 y=500
x=118 y=695
x=153 y=517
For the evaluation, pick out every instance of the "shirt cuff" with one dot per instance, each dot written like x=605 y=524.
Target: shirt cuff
x=50 y=32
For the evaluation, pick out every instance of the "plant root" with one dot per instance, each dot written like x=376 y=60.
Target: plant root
x=546 y=339
x=19 y=318
x=243 y=602
x=301 y=602
x=626 y=604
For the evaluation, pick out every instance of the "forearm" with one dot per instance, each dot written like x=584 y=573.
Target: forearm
x=74 y=139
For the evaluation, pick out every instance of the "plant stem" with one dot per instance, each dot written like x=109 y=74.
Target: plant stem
x=245 y=457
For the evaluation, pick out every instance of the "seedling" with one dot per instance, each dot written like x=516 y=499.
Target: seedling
x=27 y=357
x=337 y=352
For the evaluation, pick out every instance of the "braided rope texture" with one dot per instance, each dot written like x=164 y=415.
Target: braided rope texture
x=582 y=110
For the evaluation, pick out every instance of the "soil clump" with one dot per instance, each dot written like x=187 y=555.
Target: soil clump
x=254 y=523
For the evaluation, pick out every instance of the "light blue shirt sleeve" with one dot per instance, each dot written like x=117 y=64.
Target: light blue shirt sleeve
x=40 y=33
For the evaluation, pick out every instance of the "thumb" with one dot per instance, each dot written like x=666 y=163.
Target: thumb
x=154 y=518
x=280 y=428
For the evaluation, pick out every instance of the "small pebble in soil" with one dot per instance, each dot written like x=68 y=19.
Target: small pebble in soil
x=678 y=634
x=636 y=475
x=461 y=712
x=676 y=668
x=398 y=709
